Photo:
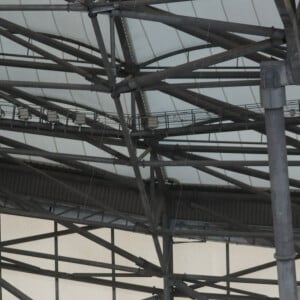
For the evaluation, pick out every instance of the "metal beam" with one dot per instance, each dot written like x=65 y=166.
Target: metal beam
x=36 y=49
x=209 y=84
x=85 y=168
x=152 y=268
x=66 y=112
x=137 y=260
x=198 y=279
x=66 y=187
x=240 y=169
x=189 y=292
x=54 y=43
x=202 y=161
x=239 y=291
x=100 y=6
x=31 y=64
x=206 y=24
x=42 y=7
x=114 y=135
x=231 y=276
x=288 y=14
x=41 y=236
x=60 y=130
x=170 y=146
x=107 y=65
x=53 y=106
x=54 y=85
x=229 y=111
x=72 y=277
x=148 y=80
x=13 y=290
x=215 y=38
x=70 y=259
x=173 y=53
x=17 y=103
x=130 y=64
x=131 y=150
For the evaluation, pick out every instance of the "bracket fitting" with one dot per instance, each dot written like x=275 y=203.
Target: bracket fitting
x=274 y=77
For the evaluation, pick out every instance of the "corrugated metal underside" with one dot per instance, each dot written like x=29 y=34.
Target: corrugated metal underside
x=206 y=203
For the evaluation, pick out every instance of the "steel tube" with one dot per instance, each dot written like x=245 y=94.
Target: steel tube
x=42 y=7
x=72 y=277
x=281 y=204
x=168 y=254
x=56 y=264
x=113 y=262
x=56 y=85
x=13 y=290
x=208 y=24
x=273 y=99
x=148 y=80
x=52 y=42
x=201 y=162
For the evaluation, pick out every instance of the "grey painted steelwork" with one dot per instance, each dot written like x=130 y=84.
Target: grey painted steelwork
x=168 y=257
x=13 y=290
x=147 y=80
x=56 y=260
x=215 y=213
x=273 y=99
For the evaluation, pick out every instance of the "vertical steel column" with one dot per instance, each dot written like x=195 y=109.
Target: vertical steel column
x=153 y=193
x=133 y=112
x=0 y=254
x=113 y=262
x=273 y=75
x=168 y=257
x=56 y=262
x=112 y=46
x=228 y=266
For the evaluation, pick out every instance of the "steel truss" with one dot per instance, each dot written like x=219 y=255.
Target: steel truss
x=153 y=199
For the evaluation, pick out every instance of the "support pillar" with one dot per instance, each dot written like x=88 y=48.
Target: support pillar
x=0 y=255
x=56 y=261
x=228 y=266
x=113 y=262
x=273 y=81
x=168 y=258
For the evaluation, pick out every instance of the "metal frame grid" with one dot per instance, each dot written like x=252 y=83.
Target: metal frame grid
x=115 y=77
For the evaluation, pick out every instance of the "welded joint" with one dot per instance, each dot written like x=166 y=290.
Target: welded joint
x=106 y=8
x=147 y=151
x=275 y=75
x=291 y=257
x=133 y=84
x=277 y=34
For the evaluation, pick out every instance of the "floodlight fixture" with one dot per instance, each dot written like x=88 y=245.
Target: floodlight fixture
x=52 y=116
x=292 y=112
x=80 y=118
x=23 y=114
x=152 y=122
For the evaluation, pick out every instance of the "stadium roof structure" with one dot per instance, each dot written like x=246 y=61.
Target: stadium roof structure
x=146 y=116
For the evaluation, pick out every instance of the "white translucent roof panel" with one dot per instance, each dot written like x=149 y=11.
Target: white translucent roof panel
x=248 y=12
x=160 y=102
x=147 y=40
x=75 y=25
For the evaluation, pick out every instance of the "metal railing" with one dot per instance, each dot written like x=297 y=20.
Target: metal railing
x=155 y=120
